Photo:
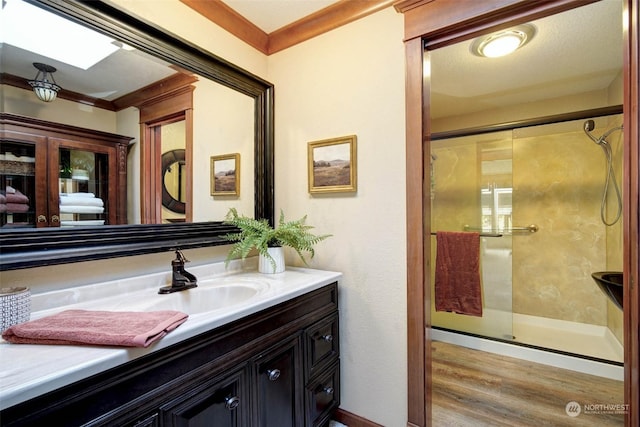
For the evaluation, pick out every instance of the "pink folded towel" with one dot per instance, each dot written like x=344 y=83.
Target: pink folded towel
x=78 y=327
x=17 y=197
x=457 y=284
x=14 y=207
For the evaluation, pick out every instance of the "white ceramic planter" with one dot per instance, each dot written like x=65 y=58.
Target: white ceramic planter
x=265 y=265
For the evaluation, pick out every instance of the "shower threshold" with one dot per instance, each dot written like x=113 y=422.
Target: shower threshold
x=551 y=357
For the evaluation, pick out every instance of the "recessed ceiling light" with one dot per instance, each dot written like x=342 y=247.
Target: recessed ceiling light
x=504 y=42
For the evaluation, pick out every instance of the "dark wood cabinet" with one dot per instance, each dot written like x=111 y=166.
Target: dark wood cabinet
x=278 y=367
x=41 y=161
x=219 y=402
x=278 y=373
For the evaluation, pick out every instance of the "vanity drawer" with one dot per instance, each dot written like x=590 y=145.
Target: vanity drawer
x=322 y=344
x=323 y=396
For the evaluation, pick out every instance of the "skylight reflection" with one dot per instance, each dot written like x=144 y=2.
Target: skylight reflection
x=52 y=36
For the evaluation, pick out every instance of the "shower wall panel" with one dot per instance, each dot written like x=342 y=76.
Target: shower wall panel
x=558 y=176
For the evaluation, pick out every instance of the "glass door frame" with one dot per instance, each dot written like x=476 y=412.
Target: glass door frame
x=441 y=24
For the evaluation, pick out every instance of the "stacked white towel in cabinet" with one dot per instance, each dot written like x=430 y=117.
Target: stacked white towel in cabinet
x=80 y=203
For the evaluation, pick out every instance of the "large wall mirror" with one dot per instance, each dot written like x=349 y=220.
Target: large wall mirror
x=232 y=113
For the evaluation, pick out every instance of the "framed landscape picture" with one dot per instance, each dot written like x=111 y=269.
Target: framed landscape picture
x=332 y=165
x=225 y=175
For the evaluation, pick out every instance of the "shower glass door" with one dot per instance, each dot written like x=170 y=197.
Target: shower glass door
x=535 y=195
x=471 y=190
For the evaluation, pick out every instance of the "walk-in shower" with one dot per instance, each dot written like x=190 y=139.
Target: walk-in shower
x=534 y=195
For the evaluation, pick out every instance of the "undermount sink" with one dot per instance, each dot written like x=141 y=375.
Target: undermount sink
x=208 y=296
x=610 y=282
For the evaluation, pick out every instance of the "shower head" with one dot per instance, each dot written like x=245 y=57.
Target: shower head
x=590 y=125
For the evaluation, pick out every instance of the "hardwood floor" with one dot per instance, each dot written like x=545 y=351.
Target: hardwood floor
x=474 y=388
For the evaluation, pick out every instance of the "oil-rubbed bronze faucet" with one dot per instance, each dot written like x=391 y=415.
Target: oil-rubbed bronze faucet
x=181 y=279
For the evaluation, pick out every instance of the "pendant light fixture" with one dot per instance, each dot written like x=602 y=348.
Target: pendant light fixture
x=44 y=85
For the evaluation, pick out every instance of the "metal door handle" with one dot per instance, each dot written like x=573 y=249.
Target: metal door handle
x=231 y=402
x=273 y=374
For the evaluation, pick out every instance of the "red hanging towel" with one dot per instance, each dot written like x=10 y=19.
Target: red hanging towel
x=457 y=286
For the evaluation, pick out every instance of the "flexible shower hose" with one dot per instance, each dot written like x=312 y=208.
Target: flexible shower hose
x=610 y=176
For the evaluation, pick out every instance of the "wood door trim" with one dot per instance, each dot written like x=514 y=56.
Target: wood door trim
x=417 y=297
x=448 y=23
x=631 y=200
x=163 y=106
x=155 y=91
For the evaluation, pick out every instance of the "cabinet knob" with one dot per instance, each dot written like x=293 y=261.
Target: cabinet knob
x=327 y=338
x=328 y=390
x=42 y=218
x=231 y=402
x=273 y=374
x=55 y=219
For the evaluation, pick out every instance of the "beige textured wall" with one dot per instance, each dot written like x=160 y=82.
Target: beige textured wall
x=345 y=82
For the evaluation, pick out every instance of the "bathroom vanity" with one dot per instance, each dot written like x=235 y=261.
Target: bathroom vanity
x=267 y=358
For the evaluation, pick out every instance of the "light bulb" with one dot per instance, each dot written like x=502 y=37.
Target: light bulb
x=501 y=45
x=503 y=42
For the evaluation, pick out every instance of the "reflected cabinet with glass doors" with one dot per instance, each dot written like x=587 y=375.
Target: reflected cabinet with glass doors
x=54 y=175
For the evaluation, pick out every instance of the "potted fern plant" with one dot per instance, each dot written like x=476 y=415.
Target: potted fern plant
x=269 y=241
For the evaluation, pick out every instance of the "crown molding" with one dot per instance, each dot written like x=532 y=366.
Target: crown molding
x=323 y=21
x=404 y=5
x=157 y=90
x=221 y=14
x=320 y=22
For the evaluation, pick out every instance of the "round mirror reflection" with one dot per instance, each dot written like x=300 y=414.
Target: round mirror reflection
x=174 y=180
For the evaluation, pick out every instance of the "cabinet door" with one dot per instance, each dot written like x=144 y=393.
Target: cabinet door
x=322 y=345
x=278 y=378
x=323 y=396
x=23 y=193
x=86 y=173
x=217 y=403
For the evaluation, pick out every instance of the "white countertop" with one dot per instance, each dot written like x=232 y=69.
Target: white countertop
x=30 y=370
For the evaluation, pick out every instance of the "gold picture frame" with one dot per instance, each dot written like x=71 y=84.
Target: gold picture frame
x=332 y=165
x=225 y=175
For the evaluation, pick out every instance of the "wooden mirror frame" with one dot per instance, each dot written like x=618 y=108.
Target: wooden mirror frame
x=51 y=246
